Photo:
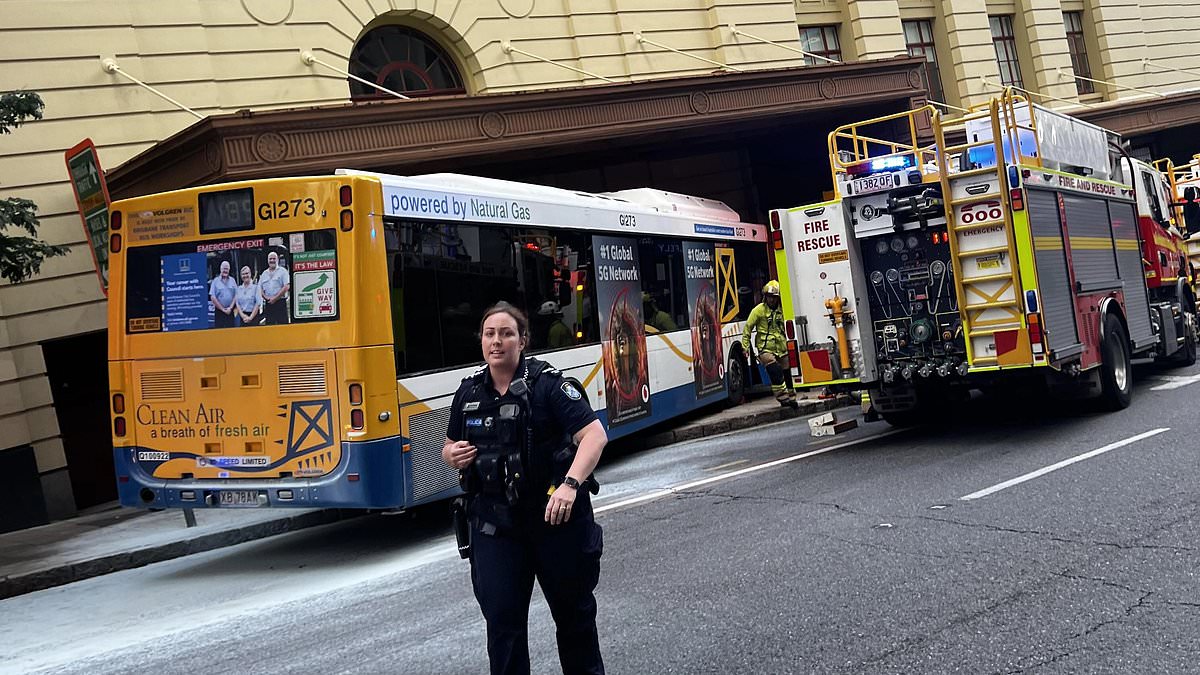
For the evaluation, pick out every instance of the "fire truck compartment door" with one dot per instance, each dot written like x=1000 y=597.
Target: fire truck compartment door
x=1058 y=302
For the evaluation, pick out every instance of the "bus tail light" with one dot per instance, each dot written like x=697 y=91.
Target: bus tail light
x=114 y=243
x=357 y=419
x=345 y=195
x=114 y=221
x=119 y=427
x=347 y=220
x=118 y=403
x=356 y=394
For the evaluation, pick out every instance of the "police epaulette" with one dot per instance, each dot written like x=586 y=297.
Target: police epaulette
x=477 y=373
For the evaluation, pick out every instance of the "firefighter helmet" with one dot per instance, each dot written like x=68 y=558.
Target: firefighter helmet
x=772 y=288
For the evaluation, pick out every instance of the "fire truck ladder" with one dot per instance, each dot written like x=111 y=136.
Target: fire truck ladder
x=978 y=214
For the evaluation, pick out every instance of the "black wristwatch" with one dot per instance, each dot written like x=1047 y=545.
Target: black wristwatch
x=571 y=482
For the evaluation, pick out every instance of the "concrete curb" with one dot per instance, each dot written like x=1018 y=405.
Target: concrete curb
x=86 y=569
x=11 y=586
x=692 y=432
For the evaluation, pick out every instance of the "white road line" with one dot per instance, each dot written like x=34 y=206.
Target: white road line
x=665 y=492
x=1066 y=462
x=726 y=465
x=1175 y=382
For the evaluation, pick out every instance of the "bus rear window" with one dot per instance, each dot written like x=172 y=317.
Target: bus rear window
x=226 y=211
x=231 y=283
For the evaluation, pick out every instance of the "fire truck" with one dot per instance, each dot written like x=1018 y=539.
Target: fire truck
x=1183 y=186
x=1017 y=246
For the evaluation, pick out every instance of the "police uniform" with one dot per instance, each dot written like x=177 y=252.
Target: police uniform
x=511 y=544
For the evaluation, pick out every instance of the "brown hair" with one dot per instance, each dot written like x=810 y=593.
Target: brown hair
x=516 y=314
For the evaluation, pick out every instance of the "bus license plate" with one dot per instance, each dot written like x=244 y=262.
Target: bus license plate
x=870 y=184
x=241 y=498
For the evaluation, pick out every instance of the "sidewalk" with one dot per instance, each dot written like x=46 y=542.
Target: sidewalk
x=119 y=539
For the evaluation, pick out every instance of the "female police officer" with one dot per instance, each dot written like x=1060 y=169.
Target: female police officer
x=530 y=512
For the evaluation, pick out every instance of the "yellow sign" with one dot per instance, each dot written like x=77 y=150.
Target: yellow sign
x=833 y=256
x=990 y=262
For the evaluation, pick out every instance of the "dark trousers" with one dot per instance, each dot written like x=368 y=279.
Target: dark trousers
x=781 y=378
x=276 y=313
x=221 y=319
x=565 y=559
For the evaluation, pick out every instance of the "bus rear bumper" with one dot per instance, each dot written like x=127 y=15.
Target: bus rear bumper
x=372 y=474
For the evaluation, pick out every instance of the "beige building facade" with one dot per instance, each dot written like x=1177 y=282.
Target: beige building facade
x=1130 y=64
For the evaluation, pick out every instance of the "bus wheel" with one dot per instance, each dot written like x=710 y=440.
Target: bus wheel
x=735 y=379
x=1116 y=377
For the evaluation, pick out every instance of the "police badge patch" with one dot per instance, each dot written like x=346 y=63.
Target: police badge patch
x=571 y=392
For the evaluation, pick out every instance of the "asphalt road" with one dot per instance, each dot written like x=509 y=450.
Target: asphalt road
x=861 y=558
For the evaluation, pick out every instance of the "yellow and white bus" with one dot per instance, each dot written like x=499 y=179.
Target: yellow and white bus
x=297 y=342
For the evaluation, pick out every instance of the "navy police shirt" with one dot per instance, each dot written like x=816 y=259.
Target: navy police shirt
x=558 y=406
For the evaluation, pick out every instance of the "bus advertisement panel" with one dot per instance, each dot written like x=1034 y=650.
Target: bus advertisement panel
x=232 y=283
x=708 y=358
x=626 y=366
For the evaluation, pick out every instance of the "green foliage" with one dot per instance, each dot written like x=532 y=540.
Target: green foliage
x=21 y=256
x=18 y=107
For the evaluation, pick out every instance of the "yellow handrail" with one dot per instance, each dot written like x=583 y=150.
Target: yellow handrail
x=857 y=145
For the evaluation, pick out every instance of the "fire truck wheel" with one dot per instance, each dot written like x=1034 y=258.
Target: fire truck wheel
x=1186 y=356
x=735 y=379
x=1116 y=377
x=904 y=418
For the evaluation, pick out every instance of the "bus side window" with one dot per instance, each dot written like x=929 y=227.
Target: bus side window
x=753 y=272
x=557 y=290
x=664 y=292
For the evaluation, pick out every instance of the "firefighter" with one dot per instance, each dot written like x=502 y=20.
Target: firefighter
x=655 y=317
x=525 y=442
x=770 y=344
x=558 y=335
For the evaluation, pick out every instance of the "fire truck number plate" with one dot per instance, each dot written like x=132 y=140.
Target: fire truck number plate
x=870 y=184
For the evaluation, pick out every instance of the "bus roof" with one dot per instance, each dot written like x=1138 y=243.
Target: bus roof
x=456 y=197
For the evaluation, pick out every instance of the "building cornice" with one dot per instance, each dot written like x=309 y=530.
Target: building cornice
x=391 y=134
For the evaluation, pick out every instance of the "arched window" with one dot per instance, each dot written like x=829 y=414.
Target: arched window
x=403 y=60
